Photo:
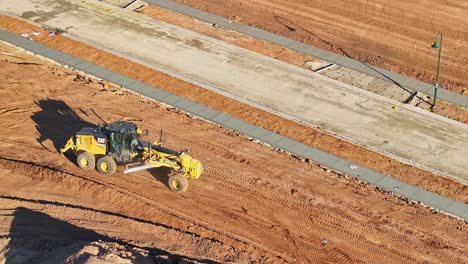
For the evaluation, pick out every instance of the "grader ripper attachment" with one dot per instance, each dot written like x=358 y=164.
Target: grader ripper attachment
x=117 y=143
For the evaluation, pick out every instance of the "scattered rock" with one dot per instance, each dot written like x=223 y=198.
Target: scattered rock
x=83 y=79
x=91 y=250
x=105 y=85
x=244 y=210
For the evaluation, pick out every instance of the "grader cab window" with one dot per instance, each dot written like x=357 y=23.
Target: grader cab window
x=123 y=142
x=130 y=142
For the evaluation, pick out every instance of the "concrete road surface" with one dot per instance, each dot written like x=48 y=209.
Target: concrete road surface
x=408 y=134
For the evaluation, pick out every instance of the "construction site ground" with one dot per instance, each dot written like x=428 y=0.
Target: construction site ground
x=228 y=217
x=294 y=130
x=253 y=204
x=382 y=32
x=298 y=94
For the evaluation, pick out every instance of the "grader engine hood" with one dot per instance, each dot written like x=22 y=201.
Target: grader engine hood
x=192 y=166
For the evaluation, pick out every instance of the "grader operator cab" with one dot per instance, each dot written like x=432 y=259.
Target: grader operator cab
x=118 y=143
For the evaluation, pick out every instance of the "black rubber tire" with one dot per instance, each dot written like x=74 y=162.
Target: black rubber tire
x=178 y=183
x=86 y=161
x=106 y=165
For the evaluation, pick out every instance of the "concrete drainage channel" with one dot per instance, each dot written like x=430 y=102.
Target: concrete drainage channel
x=386 y=183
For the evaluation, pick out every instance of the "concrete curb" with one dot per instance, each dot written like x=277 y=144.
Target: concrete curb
x=379 y=180
x=375 y=71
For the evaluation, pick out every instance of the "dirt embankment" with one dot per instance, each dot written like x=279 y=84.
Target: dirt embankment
x=301 y=133
x=395 y=35
x=252 y=204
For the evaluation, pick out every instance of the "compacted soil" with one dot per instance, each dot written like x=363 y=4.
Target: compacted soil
x=294 y=130
x=396 y=35
x=253 y=204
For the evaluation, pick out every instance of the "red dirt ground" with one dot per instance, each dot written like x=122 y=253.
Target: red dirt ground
x=301 y=133
x=252 y=204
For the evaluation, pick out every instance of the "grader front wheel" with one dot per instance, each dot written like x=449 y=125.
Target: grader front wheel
x=178 y=183
x=106 y=165
x=86 y=161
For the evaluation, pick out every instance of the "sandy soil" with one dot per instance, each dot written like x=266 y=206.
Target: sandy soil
x=301 y=133
x=253 y=204
x=395 y=35
x=451 y=111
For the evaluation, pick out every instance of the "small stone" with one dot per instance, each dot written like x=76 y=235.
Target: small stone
x=92 y=250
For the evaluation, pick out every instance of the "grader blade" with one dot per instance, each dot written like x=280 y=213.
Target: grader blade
x=138 y=168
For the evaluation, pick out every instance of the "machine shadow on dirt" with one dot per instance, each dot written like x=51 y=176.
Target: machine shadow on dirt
x=56 y=121
x=161 y=174
x=36 y=237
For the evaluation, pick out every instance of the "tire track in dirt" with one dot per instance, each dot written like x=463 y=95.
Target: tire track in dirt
x=337 y=216
x=43 y=170
x=321 y=217
x=245 y=169
x=308 y=136
x=321 y=221
x=250 y=186
x=228 y=182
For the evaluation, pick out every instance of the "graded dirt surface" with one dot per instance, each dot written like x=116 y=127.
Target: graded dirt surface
x=252 y=204
x=396 y=35
x=363 y=118
x=299 y=132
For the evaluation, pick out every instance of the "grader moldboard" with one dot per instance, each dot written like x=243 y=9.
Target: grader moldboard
x=106 y=146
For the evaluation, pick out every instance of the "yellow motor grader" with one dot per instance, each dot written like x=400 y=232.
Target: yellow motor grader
x=104 y=147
